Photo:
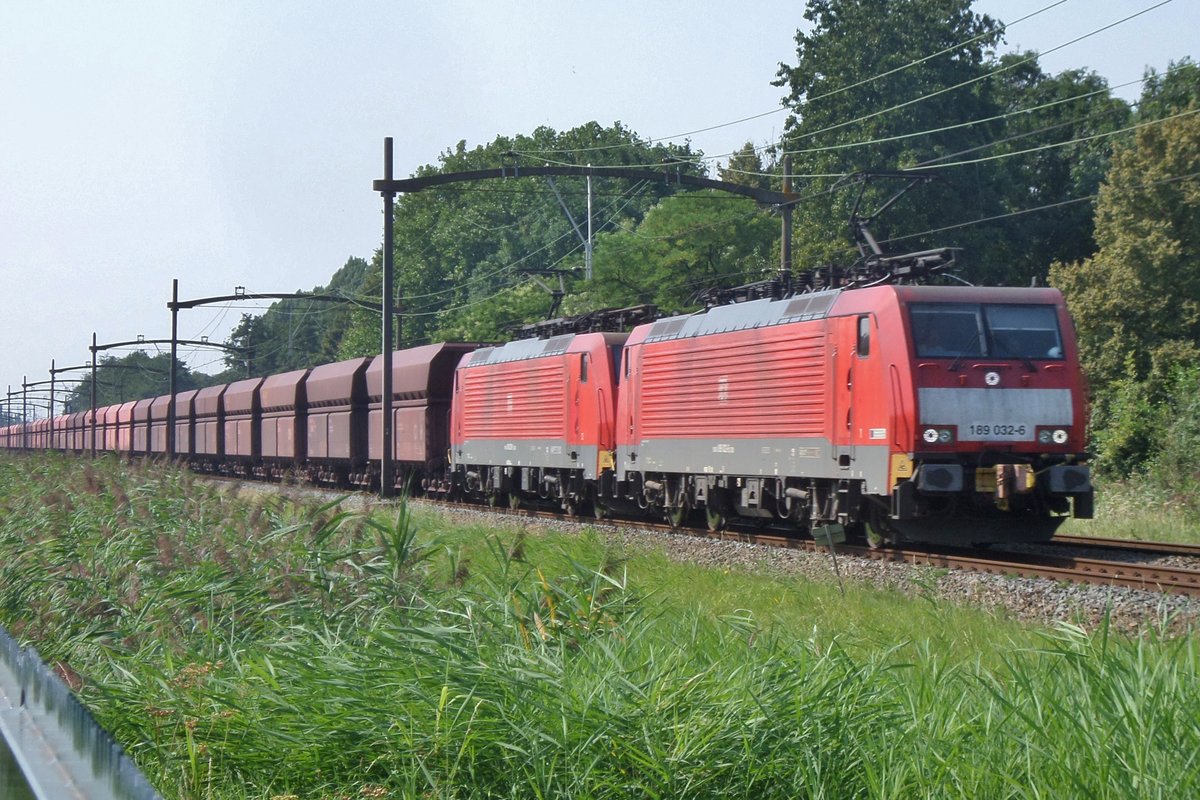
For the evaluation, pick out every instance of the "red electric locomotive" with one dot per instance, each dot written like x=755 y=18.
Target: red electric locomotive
x=933 y=413
x=534 y=419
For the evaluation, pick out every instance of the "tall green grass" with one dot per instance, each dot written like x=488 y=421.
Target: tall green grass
x=274 y=648
x=1140 y=509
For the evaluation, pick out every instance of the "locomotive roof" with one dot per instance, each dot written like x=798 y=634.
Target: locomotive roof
x=523 y=349
x=740 y=316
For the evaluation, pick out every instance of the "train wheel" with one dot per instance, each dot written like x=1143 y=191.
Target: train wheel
x=598 y=509
x=493 y=499
x=879 y=533
x=676 y=516
x=514 y=501
x=716 y=520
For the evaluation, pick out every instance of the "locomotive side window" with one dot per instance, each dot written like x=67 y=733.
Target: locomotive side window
x=1024 y=331
x=864 y=336
x=583 y=368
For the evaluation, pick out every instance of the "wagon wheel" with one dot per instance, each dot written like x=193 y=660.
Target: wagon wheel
x=715 y=519
x=514 y=501
x=598 y=509
x=493 y=499
x=571 y=507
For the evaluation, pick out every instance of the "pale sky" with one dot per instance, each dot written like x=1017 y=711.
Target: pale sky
x=234 y=143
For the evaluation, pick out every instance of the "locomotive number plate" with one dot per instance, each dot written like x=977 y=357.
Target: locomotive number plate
x=998 y=432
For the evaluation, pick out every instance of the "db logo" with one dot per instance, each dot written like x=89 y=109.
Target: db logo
x=992 y=379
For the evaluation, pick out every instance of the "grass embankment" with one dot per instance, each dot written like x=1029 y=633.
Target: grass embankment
x=1133 y=509
x=268 y=649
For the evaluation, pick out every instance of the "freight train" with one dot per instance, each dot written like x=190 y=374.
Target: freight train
x=896 y=412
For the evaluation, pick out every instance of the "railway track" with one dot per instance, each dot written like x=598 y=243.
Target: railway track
x=1132 y=575
x=1129 y=546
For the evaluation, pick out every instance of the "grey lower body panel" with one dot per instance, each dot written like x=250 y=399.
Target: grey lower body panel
x=781 y=458
x=541 y=453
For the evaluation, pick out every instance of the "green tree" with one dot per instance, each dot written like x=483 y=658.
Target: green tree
x=1136 y=303
x=684 y=245
x=1170 y=92
x=746 y=167
x=837 y=103
x=299 y=333
x=991 y=129
x=134 y=376
x=1042 y=111
x=461 y=250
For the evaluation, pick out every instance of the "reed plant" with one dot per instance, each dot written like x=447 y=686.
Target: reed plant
x=274 y=648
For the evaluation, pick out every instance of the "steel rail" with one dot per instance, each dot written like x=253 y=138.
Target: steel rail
x=1129 y=545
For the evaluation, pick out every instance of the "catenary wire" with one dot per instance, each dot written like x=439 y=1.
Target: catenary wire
x=1046 y=207
x=1003 y=28
x=932 y=164
x=977 y=79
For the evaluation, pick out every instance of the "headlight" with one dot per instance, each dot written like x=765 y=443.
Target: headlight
x=1053 y=436
x=938 y=435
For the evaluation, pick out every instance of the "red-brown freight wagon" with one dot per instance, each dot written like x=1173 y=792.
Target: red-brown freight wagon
x=337 y=420
x=185 y=423
x=243 y=427
x=284 y=423
x=208 y=431
x=160 y=409
x=422 y=382
x=141 y=426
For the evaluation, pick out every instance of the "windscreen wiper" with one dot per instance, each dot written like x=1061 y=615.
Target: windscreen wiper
x=966 y=351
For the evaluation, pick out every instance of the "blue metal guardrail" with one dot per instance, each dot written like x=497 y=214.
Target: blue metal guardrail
x=58 y=747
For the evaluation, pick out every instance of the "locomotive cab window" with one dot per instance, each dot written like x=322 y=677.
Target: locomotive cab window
x=955 y=330
x=583 y=368
x=1024 y=331
x=864 y=336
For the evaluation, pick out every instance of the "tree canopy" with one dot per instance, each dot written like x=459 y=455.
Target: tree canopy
x=131 y=377
x=883 y=86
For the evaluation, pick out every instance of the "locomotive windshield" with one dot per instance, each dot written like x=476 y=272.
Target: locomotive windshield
x=952 y=330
